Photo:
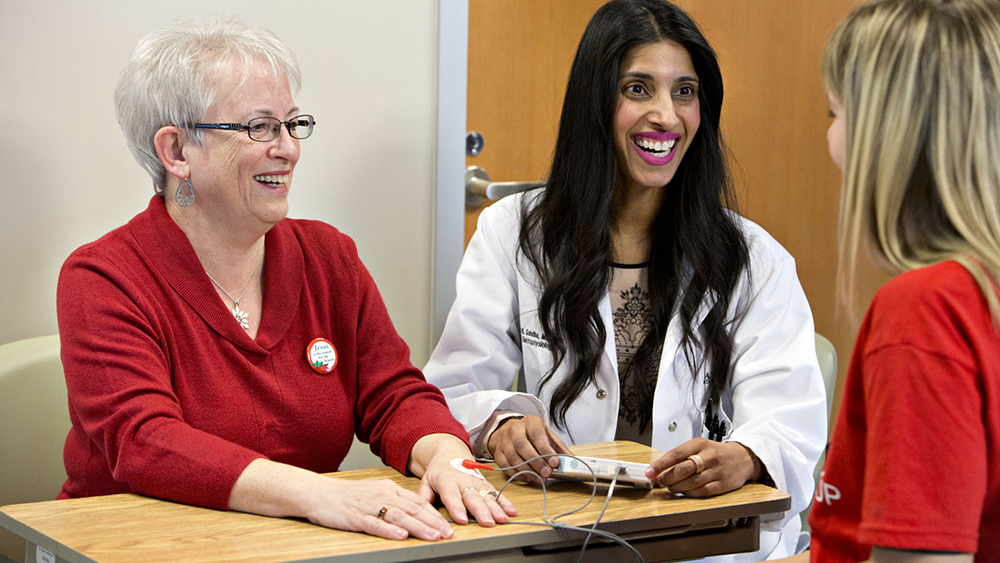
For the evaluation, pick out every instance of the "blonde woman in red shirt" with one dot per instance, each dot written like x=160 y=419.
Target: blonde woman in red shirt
x=913 y=471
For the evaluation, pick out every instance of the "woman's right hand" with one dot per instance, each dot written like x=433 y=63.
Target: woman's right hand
x=355 y=506
x=277 y=489
x=520 y=439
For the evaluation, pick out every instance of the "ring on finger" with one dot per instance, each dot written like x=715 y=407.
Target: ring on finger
x=699 y=464
x=381 y=512
x=484 y=492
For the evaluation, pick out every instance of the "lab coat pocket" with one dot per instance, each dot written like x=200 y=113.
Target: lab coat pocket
x=716 y=425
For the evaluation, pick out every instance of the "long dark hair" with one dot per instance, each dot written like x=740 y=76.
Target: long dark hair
x=696 y=246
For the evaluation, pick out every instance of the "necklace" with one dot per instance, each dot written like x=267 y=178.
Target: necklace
x=240 y=314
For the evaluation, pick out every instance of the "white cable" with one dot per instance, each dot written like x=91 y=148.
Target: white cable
x=611 y=490
x=556 y=525
x=613 y=537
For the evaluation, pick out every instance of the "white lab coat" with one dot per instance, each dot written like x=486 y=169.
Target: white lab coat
x=775 y=404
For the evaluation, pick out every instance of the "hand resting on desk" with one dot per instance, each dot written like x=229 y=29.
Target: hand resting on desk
x=275 y=489
x=521 y=439
x=727 y=467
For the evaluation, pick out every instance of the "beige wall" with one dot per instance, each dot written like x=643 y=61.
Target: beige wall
x=369 y=77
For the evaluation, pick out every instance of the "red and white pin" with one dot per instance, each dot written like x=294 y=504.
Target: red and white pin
x=321 y=355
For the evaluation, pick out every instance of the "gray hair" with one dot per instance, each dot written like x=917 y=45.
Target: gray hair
x=168 y=80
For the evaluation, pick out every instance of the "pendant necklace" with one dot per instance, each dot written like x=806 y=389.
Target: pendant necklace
x=240 y=314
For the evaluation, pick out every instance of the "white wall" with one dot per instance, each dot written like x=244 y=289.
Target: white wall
x=369 y=77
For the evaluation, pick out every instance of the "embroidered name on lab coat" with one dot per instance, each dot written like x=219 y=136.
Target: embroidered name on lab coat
x=532 y=338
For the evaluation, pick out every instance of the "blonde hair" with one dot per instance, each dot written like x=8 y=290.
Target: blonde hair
x=170 y=78
x=919 y=81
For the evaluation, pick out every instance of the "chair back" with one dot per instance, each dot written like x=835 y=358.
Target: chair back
x=827 y=356
x=34 y=420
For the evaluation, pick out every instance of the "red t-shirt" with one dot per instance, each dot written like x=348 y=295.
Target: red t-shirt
x=915 y=458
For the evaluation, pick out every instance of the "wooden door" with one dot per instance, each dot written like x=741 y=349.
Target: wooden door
x=520 y=52
x=774 y=116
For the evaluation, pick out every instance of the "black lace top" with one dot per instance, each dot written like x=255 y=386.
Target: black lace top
x=632 y=320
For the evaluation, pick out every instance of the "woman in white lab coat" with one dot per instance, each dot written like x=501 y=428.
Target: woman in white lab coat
x=634 y=304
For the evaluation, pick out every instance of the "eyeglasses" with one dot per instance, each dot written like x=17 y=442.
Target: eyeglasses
x=266 y=129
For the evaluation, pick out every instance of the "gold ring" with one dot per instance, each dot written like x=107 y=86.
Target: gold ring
x=699 y=464
x=382 y=511
x=484 y=492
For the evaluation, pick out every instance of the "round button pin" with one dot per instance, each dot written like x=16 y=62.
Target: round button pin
x=321 y=355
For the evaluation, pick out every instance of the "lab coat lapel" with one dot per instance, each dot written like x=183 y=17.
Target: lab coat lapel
x=672 y=351
x=610 y=348
x=678 y=398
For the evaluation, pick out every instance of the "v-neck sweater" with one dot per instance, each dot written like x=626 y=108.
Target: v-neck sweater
x=170 y=397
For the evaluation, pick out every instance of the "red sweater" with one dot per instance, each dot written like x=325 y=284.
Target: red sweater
x=169 y=397
x=915 y=457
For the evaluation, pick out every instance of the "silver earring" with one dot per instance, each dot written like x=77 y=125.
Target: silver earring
x=180 y=198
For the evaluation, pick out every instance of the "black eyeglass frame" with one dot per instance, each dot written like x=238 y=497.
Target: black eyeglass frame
x=249 y=126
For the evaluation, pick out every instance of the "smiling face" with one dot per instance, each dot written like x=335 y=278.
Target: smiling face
x=242 y=183
x=836 y=133
x=657 y=115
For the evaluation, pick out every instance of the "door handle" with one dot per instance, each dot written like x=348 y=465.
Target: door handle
x=479 y=188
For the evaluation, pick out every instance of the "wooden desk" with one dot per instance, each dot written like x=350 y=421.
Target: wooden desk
x=129 y=528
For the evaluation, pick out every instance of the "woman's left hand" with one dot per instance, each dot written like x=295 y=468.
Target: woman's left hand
x=724 y=467
x=461 y=492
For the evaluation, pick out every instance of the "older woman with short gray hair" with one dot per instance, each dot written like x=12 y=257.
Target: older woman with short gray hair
x=219 y=354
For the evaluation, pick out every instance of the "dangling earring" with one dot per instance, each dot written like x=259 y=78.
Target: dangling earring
x=180 y=198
